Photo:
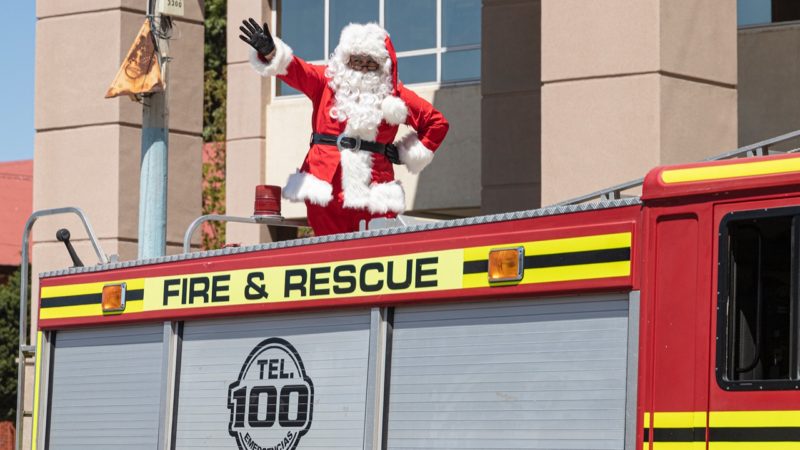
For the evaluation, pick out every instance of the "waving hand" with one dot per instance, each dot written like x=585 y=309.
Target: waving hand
x=257 y=37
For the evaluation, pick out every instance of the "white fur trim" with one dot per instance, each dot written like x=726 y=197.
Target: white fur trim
x=366 y=133
x=280 y=62
x=356 y=177
x=394 y=110
x=303 y=186
x=413 y=153
x=385 y=197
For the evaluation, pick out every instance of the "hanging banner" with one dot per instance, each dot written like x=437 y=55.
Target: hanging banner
x=140 y=72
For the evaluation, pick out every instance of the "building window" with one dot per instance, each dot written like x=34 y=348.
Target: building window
x=762 y=12
x=758 y=301
x=437 y=41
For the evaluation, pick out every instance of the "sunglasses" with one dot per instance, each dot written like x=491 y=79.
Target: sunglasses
x=363 y=63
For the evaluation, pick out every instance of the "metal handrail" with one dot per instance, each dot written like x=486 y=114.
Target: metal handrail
x=24 y=347
x=761 y=148
x=758 y=149
x=260 y=220
x=611 y=193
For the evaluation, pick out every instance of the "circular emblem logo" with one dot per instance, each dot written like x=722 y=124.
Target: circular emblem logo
x=272 y=401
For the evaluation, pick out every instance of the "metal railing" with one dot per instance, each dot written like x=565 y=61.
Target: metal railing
x=258 y=220
x=763 y=148
x=25 y=349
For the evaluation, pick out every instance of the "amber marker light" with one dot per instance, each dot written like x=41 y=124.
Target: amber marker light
x=506 y=264
x=114 y=298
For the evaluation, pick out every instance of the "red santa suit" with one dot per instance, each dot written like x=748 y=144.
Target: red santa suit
x=342 y=187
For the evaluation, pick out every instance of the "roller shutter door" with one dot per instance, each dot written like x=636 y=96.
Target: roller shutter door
x=106 y=388
x=334 y=350
x=509 y=375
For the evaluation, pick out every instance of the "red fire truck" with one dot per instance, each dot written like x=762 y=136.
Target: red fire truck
x=663 y=321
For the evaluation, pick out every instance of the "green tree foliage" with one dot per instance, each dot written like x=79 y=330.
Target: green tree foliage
x=214 y=92
x=9 y=346
x=215 y=71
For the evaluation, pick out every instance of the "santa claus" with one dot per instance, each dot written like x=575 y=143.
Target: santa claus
x=347 y=175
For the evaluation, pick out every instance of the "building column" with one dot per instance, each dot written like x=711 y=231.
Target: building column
x=248 y=95
x=87 y=148
x=511 y=105
x=631 y=84
x=769 y=94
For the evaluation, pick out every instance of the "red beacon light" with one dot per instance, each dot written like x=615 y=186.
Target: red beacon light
x=268 y=201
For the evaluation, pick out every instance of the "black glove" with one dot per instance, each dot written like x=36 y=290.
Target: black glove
x=257 y=37
x=392 y=154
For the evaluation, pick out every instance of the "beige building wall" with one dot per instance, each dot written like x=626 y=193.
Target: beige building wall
x=248 y=95
x=511 y=105
x=631 y=84
x=769 y=92
x=87 y=148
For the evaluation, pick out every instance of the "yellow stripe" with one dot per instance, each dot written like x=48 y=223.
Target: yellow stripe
x=646 y=420
x=553 y=246
x=746 y=419
x=562 y=273
x=726 y=419
x=580 y=272
x=749 y=169
x=89 y=288
x=679 y=419
x=65 y=312
x=36 y=369
x=679 y=445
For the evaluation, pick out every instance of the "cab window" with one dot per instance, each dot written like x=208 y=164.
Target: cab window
x=757 y=321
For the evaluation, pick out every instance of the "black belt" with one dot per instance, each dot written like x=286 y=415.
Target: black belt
x=348 y=143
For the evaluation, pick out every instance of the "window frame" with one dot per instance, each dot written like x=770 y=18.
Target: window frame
x=439 y=50
x=770 y=23
x=723 y=288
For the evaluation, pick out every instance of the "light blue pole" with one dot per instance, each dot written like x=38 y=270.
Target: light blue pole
x=153 y=175
x=153 y=178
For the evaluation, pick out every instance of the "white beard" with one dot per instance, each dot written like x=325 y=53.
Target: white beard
x=358 y=98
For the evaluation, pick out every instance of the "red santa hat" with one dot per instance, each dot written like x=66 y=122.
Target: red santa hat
x=372 y=40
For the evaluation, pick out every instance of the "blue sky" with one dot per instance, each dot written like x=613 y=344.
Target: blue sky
x=17 y=46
